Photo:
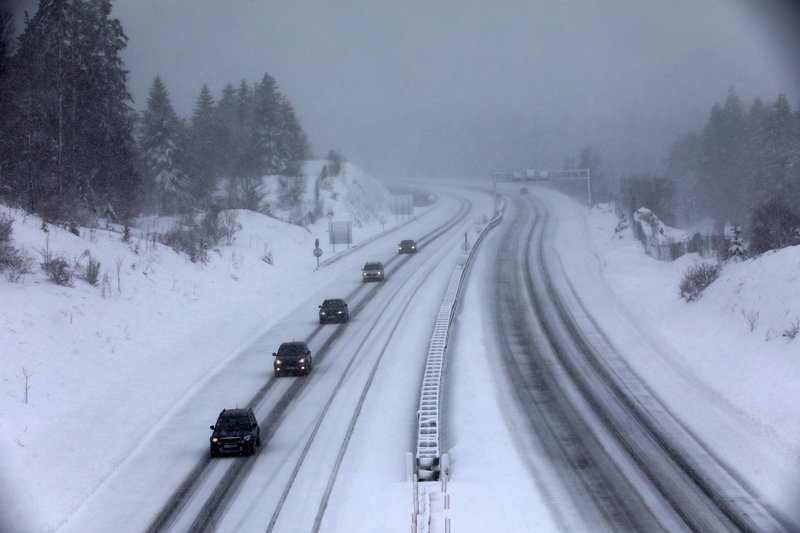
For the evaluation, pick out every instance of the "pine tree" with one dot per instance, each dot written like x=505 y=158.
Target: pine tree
x=683 y=167
x=267 y=126
x=72 y=111
x=736 y=251
x=248 y=161
x=7 y=110
x=161 y=141
x=722 y=181
x=780 y=143
x=230 y=132
x=204 y=143
x=294 y=141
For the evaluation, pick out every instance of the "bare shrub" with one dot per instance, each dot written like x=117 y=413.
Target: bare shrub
x=56 y=268
x=88 y=271
x=196 y=238
x=19 y=265
x=105 y=287
x=27 y=375
x=229 y=225
x=696 y=279
x=118 y=264
x=792 y=331
x=751 y=318
x=15 y=262
x=267 y=256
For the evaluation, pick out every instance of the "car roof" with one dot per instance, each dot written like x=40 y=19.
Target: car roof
x=407 y=240
x=236 y=412
x=293 y=344
x=373 y=264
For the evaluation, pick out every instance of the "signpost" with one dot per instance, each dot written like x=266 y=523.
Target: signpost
x=317 y=251
x=340 y=232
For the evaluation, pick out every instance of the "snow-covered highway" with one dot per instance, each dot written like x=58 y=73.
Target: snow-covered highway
x=546 y=425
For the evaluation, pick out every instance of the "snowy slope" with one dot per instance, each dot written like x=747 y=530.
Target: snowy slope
x=93 y=352
x=351 y=195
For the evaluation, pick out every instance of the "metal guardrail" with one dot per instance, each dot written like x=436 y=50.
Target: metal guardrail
x=428 y=453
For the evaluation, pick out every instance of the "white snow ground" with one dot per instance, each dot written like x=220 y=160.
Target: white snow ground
x=105 y=366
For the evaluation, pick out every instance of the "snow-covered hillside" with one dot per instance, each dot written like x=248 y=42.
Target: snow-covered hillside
x=352 y=194
x=91 y=353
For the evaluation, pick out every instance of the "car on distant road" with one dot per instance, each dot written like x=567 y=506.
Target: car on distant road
x=372 y=271
x=333 y=310
x=407 y=246
x=523 y=190
x=236 y=432
x=292 y=357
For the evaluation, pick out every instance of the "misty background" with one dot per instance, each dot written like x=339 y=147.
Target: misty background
x=448 y=89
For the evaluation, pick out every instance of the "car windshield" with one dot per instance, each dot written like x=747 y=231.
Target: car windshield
x=407 y=243
x=373 y=266
x=289 y=350
x=333 y=303
x=229 y=423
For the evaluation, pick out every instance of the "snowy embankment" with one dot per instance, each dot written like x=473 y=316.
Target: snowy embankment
x=106 y=362
x=726 y=365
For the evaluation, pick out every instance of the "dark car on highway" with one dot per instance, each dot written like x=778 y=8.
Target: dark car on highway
x=333 y=310
x=292 y=358
x=407 y=246
x=372 y=271
x=236 y=432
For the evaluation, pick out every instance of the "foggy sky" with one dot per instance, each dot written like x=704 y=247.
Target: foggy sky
x=447 y=88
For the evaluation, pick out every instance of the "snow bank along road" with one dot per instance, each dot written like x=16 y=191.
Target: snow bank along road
x=307 y=422
x=610 y=456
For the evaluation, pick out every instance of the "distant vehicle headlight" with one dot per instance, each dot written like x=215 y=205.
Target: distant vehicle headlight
x=277 y=361
x=322 y=313
x=302 y=361
x=247 y=438
x=214 y=440
x=339 y=312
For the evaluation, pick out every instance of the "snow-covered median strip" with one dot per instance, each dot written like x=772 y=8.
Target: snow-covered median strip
x=430 y=464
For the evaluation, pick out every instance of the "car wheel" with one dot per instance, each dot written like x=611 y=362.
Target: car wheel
x=277 y=373
x=214 y=453
x=258 y=439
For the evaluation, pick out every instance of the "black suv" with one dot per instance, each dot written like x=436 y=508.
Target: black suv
x=294 y=357
x=236 y=431
x=333 y=310
x=372 y=272
x=407 y=246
